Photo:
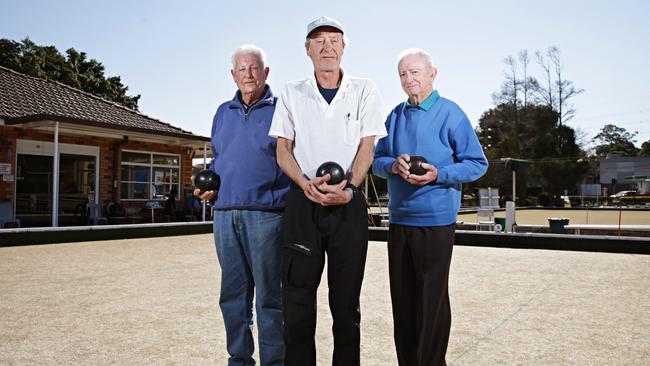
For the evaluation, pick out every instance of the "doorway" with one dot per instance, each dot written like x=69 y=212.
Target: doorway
x=34 y=190
x=78 y=181
x=76 y=188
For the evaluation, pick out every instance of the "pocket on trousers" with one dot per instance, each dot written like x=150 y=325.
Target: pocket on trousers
x=299 y=248
x=300 y=265
x=293 y=273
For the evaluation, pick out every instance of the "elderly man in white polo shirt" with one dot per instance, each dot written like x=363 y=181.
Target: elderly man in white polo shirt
x=330 y=116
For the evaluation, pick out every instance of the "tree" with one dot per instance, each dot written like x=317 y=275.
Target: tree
x=557 y=91
x=615 y=140
x=73 y=69
x=510 y=86
x=529 y=122
x=557 y=162
x=645 y=149
x=528 y=83
x=545 y=94
x=520 y=91
x=509 y=96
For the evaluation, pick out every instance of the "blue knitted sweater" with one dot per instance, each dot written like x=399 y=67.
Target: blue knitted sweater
x=439 y=131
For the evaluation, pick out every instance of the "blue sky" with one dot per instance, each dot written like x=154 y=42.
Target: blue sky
x=177 y=54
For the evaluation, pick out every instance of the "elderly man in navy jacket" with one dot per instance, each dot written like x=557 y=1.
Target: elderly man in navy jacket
x=248 y=213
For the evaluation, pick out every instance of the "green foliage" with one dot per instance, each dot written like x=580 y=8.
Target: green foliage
x=645 y=149
x=544 y=199
x=558 y=174
x=615 y=140
x=529 y=122
x=73 y=69
x=556 y=161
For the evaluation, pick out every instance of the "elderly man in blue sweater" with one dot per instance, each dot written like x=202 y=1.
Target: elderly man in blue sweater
x=248 y=213
x=423 y=207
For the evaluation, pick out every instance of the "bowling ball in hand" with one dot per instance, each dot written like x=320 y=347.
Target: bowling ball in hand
x=333 y=169
x=207 y=180
x=415 y=165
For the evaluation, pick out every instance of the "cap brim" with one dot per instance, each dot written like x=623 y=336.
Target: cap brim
x=320 y=27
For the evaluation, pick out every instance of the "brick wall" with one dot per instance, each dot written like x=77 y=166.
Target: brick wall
x=7 y=155
x=107 y=147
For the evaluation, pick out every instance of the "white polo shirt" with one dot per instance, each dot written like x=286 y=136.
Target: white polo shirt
x=327 y=132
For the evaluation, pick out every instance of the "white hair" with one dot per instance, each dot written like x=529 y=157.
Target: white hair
x=249 y=49
x=416 y=52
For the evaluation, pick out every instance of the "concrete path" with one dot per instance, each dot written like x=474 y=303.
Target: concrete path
x=154 y=302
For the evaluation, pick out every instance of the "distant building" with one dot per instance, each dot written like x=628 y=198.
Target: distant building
x=622 y=172
x=62 y=149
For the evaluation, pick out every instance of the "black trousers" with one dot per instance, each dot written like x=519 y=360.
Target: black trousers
x=419 y=259
x=309 y=232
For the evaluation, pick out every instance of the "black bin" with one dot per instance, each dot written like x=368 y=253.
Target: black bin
x=556 y=224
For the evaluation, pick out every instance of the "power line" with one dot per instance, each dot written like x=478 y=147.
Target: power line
x=608 y=100
x=641 y=111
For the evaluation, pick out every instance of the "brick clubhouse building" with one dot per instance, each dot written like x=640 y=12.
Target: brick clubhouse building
x=67 y=156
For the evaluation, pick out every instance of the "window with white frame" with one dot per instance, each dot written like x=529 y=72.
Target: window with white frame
x=148 y=175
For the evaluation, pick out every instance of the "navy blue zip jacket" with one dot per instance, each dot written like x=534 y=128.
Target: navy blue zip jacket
x=244 y=156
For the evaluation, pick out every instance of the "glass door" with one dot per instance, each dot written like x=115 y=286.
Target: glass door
x=76 y=188
x=34 y=190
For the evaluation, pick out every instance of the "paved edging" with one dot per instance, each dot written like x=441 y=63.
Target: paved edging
x=49 y=235
x=585 y=243
x=588 y=243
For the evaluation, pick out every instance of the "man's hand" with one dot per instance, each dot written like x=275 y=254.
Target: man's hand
x=420 y=180
x=207 y=195
x=401 y=168
x=318 y=191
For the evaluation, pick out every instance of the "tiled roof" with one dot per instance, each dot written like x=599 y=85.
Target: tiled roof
x=24 y=97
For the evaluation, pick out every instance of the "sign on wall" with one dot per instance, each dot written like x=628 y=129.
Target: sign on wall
x=5 y=168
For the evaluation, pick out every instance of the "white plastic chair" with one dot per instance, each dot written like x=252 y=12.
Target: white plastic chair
x=485 y=218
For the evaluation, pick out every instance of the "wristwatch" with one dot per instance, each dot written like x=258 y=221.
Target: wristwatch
x=351 y=189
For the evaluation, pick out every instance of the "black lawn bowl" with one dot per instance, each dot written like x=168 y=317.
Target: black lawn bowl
x=415 y=165
x=333 y=169
x=207 y=180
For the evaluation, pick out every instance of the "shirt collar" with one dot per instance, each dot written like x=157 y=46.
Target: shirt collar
x=268 y=98
x=427 y=103
x=345 y=82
